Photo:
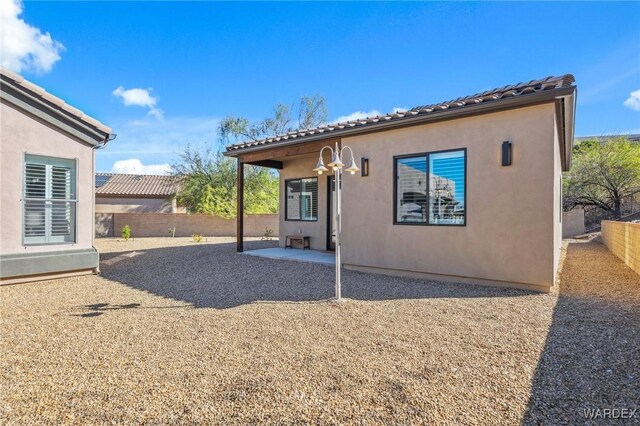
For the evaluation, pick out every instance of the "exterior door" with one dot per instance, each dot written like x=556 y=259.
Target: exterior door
x=331 y=214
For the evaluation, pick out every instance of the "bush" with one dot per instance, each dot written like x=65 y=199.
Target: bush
x=268 y=234
x=197 y=238
x=126 y=232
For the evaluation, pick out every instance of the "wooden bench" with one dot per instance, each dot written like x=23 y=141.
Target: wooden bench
x=304 y=239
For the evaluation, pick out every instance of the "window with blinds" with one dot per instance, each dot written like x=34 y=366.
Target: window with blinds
x=301 y=199
x=49 y=204
x=430 y=188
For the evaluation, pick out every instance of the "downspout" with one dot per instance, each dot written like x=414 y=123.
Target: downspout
x=104 y=143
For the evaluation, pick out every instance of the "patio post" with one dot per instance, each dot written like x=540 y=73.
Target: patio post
x=240 y=208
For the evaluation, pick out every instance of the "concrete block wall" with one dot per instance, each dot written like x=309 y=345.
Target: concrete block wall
x=573 y=223
x=623 y=240
x=158 y=224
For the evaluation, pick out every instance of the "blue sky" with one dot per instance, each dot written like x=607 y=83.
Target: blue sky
x=198 y=62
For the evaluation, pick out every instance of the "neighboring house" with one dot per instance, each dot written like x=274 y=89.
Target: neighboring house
x=46 y=171
x=437 y=201
x=129 y=193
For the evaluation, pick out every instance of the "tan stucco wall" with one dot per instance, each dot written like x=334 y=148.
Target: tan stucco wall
x=21 y=134
x=132 y=205
x=623 y=240
x=513 y=231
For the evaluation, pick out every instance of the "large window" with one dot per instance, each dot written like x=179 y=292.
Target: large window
x=430 y=189
x=302 y=199
x=49 y=200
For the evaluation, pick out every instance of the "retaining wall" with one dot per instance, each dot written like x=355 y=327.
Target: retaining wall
x=623 y=240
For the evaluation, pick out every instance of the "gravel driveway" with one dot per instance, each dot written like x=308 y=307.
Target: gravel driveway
x=179 y=332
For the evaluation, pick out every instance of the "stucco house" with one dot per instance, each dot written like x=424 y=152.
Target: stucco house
x=131 y=193
x=467 y=190
x=46 y=177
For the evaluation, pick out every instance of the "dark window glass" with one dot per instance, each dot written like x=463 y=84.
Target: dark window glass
x=447 y=188
x=302 y=199
x=411 y=189
x=436 y=200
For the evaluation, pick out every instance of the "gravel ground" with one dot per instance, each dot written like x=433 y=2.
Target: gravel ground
x=179 y=332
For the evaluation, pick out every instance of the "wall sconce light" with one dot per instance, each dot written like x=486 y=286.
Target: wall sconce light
x=506 y=153
x=364 y=166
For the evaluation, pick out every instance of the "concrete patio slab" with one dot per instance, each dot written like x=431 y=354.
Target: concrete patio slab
x=314 y=256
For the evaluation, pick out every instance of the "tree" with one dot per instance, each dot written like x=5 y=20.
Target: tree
x=603 y=174
x=311 y=112
x=209 y=185
x=209 y=178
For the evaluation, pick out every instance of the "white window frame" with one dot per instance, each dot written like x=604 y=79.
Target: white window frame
x=49 y=163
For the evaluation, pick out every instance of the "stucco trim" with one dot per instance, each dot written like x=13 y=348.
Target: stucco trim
x=36 y=108
x=26 y=264
x=540 y=288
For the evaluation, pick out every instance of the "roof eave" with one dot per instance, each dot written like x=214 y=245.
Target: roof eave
x=28 y=101
x=483 y=108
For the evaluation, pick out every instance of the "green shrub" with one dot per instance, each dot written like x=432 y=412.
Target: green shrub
x=268 y=234
x=126 y=232
x=197 y=238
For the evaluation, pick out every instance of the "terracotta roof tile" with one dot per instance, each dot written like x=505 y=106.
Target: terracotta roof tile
x=493 y=95
x=141 y=185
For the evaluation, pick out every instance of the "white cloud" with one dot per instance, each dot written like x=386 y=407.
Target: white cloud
x=357 y=115
x=140 y=97
x=364 y=114
x=633 y=101
x=156 y=142
x=23 y=47
x=135 y=167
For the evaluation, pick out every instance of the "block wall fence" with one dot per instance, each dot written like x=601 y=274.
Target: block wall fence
x=623 y=240
x=158 y=224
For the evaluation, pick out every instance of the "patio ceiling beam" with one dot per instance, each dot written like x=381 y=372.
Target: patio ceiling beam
x=286 y=151
x=272 y=164
x=240 y=208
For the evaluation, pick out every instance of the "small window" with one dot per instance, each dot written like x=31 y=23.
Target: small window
x=302 y=199
x=49 y=214
x=436 y=200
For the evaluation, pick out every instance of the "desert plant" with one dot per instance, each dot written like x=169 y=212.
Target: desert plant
x=126 y=232
x=268 y=234
x=197 y=238
x=172 y=232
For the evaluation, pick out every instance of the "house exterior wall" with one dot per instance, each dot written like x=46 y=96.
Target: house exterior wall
x=513 y=233
x=132 y=205
x=23 y=134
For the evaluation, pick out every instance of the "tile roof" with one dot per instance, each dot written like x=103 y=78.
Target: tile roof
x=493 y=95
x=140 y=185
x=54 y=100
